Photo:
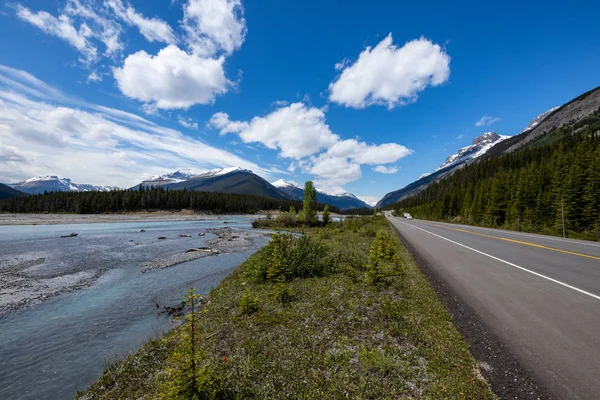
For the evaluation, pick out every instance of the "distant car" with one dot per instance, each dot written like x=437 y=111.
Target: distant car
x=409 y=216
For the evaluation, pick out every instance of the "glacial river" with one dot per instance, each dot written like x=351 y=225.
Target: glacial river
x=52 y=349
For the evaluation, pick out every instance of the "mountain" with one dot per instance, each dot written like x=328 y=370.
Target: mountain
x=53 y=183
x=229 y=180
x=6 y=192
x=544 y=180
x=343 y=201
x=172 y=177
x=479 y=146
x=543 y=129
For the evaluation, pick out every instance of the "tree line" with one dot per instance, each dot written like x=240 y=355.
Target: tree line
x=142 y=199
x=548 y=187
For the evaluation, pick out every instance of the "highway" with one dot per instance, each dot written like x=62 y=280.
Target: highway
x=538 y=295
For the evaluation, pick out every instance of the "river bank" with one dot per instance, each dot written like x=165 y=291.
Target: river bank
x=37 y=270
x=72 y=303
x=323 y=316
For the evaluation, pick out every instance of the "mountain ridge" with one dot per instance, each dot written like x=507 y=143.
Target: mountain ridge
x=54 y=183
x=344 y=201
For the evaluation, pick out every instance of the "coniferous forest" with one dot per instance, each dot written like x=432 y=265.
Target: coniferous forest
x=141 y=199
x=535 y=189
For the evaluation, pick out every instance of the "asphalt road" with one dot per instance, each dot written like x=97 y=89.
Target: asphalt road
x=539 y=295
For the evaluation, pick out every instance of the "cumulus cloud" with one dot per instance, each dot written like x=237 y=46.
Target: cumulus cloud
x=187 y=122
x=300 y=132
x=486 y=120
x=390 y=75
x=153 y=29
x=214 y=26
x=179 y=79
x=364 y=153
x=296 y=130
x=91 y=143
x=382 y=169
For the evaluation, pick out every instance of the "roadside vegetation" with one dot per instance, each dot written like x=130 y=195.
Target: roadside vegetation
x=341 y=311
x=552 y=187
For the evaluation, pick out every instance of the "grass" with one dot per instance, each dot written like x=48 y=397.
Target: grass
x=338 y=334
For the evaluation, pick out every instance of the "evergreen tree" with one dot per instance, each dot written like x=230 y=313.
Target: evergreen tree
x=309 y=204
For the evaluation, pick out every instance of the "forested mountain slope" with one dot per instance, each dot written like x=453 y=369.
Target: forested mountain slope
x=145 y=199
x=6 y=192
x=552 y=175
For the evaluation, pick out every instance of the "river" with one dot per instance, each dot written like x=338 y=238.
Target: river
x=51 y=349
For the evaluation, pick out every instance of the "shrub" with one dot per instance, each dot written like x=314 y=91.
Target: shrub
x=248 y=303
x=282 y=292
x=287 y=220
x=309 y=257
x=287 y=257
x=190 y=376
x=383 y=260
x=326 y=215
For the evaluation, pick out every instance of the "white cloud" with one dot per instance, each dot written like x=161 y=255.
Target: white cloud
x=80 y=26
x=179 y=80
x=486 y=120
x=390 y=75
x=333 y=171
x=214 y=25
x=300 y=132
x=363 y=153
x=342 y=64
x=296 y=130
x=61 y=27
x=90 y=143
x=187 y=122
x=382 y=169
x=94 y=77
x=460 y=136
x=153 y=29
x=280 y=103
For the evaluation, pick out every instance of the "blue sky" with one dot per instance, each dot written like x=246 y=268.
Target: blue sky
x=110 y=92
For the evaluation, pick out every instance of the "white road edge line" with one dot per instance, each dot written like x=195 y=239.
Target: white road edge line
x=531 y=235
x=507 y=263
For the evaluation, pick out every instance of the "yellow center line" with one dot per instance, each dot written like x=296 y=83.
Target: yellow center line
x=539 y=246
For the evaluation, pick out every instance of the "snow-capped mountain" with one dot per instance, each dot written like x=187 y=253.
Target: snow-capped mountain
x=182 y=175
x=172 y=177
x=536 y=121
x=280 y=183
x=425 y=175
x=53 y=183
x=343 y=201
x=480 y=145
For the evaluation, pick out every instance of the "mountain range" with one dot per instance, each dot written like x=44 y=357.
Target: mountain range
x=491 y=145
x=224 y=180
x=53 y=183
x=344 y=201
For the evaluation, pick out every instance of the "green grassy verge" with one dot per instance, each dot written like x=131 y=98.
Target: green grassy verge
x=358 y=321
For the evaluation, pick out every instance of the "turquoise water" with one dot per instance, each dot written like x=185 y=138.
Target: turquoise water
x=52 y=349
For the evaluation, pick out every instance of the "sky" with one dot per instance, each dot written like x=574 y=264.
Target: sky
x=357 y=96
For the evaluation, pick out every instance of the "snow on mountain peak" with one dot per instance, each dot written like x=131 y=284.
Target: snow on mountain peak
x=480 y=145
x=536 y=121
x=53 y=183
x=280 y=183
